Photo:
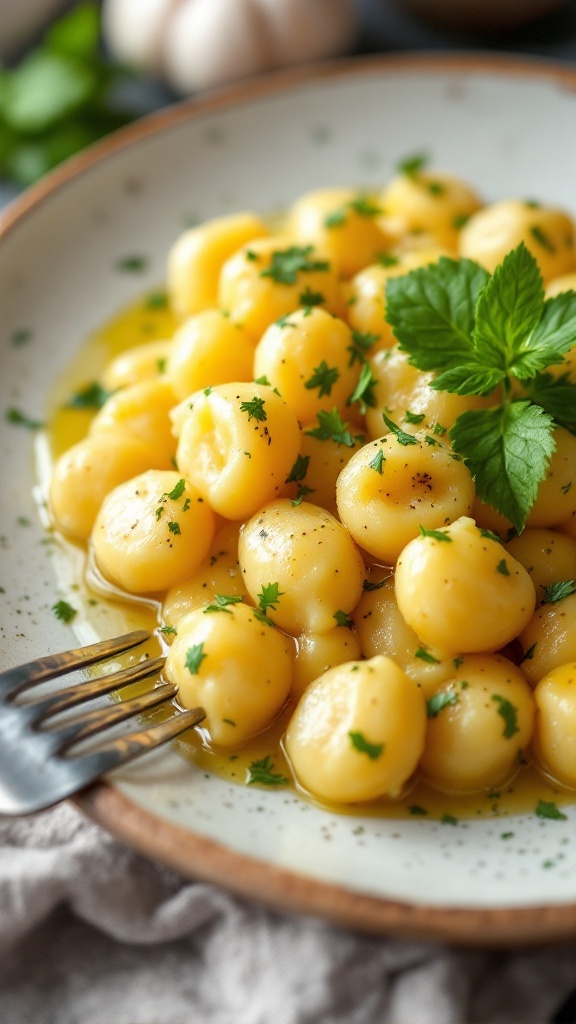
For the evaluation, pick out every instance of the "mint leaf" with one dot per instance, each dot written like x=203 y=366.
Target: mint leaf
x=509 y=308
x=469 y=379
x=557 y=396
x=554 y=335
x=507 y=450
x=432 y=312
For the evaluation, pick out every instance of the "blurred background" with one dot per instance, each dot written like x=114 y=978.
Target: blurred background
x=71 y=72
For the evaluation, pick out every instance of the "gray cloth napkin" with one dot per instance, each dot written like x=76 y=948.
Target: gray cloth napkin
x=93 y=933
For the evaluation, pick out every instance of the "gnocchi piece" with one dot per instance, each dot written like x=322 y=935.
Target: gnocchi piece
x=317 y=652
x=152 y=532
x=139 y=363
x=462 y=591
x=405 y=395
x=556 y=497
x=234 y=666
x=307 y=358
x=367 y=293
x=382 y=630
x=555 y=728
x=142 y=410
x=198 y=254
x=342 y=223
x=357 y=732
x=218 y=574
x=301 y=566
x=237 y=444
x=325 y=451
x=479 y=725
x=86 y=473
x=496 y=229
x=549 y=639
x=271 y=278
x=436 y=204
x=547 y=555
x=208 y=349
x=391 y=487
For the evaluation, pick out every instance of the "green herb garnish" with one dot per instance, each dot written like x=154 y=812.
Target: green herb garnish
x=361 y=744
x=478 y=332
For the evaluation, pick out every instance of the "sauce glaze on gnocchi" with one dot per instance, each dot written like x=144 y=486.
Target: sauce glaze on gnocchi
x=349 y=614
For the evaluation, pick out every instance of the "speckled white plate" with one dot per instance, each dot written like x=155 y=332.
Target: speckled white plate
x=509 y=127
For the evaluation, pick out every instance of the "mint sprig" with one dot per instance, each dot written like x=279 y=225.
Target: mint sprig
x=478 y=332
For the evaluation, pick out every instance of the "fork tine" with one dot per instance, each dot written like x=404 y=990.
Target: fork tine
x=15 y=680
x=86 y=690
x=125 y=748
x=103 y=718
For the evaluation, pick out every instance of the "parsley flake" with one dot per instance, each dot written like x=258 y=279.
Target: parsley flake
x=361 y=744
x=425 y=655
x=286 y=264
x=548 y=809
x=262 y=773
x=64 y=611
x=255 y=409
x=502 y=568
x=440 y=700
x=269 y=596
x=509 y=713
x=401 y=436
x=324 y=377
x=558 y=591
x=362 y=342
x=377 y=462
x=20 y=419
x=363 y=393
x=343 y=620
x=194 y=658
x=221 y=602
x=435 y=534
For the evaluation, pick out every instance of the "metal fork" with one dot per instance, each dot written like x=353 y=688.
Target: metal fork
x=38 y=765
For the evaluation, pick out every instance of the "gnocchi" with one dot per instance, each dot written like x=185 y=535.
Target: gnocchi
x=275 y=476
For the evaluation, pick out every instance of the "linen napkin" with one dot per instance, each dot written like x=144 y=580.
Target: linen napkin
x=93 y=933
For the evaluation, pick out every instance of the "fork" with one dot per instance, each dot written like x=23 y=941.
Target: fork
x=38 y=764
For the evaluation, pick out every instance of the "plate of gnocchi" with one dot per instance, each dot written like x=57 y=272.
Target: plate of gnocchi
x=289 y=382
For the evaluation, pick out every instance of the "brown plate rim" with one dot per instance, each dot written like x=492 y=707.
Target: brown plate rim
x=188 y=853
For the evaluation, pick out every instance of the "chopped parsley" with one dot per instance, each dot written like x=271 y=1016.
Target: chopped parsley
x=93 y=396
x=342 y=619
x=435 y=534
x=324 y=377
x=558 y=591
x=413 y=417
x=194 y=658
x=331 y=427
x=64 y=611
x=509 y=713
x=412 y=165
x=134 y=264
x=255 y=409
x=174 y=528
x=361 y=744
x=502 y=568
x=377 y=462
x=363 y=393
x=286 y=264
x=262 y=773
x=20 y=419
x=440 y=700
x=269 y=597
x=401 y=436
x=548 y=809
x=425 y=655
x=221 y=602
x=362 y=342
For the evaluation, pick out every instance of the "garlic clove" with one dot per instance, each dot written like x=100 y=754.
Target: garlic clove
x=210 y=42
x=307 y=30
x=134 y=31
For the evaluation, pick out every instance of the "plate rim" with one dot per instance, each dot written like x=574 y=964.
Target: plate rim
x=189 y=853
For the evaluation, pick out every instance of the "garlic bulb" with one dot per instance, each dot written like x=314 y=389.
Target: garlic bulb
x=198 y=44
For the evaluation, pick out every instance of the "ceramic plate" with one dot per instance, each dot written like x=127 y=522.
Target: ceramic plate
x=509 y=128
